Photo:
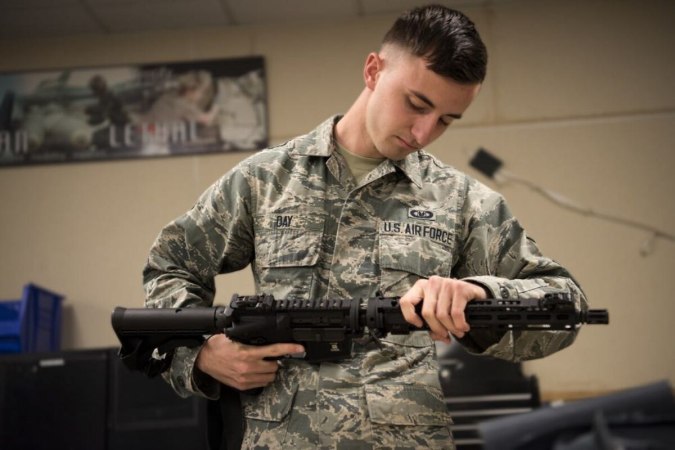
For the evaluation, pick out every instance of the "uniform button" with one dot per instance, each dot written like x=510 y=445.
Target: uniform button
x=504 y=292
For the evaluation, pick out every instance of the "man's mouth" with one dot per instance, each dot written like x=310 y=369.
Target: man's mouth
x=408 y=144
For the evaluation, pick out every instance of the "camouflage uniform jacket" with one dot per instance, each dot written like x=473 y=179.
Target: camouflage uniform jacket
x=296 y=215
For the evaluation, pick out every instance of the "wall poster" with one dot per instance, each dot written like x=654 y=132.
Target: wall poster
x=134 y=111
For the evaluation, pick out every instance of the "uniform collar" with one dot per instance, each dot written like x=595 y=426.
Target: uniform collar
x=322 y=142
x=319 y=142
x=410 y=166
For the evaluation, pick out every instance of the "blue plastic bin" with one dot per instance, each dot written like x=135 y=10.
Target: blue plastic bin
x=32 y=324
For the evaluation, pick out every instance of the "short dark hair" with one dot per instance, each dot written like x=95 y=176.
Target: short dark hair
x=446 y=38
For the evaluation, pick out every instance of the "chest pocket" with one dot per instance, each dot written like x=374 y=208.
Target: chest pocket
x=287 y=249
x=404 y=259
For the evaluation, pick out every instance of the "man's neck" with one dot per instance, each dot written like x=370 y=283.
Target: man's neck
x=351 y=132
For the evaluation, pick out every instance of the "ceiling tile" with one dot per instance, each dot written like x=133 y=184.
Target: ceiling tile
x=259 y=11
x=28 y=4
x=396 y=6
x=157 y=15
x=47 y=21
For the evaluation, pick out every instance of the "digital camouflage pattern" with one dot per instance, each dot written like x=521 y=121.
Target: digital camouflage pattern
x=296 y=214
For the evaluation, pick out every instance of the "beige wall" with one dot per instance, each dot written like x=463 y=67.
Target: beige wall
x=579 y=99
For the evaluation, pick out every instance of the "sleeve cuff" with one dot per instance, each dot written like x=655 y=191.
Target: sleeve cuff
x=494 y=286
x=187 y=380
x=204 y=384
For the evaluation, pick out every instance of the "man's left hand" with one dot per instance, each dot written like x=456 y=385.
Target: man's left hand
x=444 y=300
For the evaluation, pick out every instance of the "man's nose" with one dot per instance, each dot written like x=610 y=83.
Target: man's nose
x=423 y=129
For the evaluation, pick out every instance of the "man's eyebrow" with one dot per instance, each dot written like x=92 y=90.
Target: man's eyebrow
x=426 y=100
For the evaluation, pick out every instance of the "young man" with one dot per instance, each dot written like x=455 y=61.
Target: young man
x=355 y=207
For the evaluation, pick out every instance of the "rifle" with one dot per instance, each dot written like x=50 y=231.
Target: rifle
x=325 y=328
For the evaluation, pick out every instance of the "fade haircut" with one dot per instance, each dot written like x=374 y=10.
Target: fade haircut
x=445 y=38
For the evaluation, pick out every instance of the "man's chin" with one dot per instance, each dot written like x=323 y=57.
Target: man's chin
x=397 y=154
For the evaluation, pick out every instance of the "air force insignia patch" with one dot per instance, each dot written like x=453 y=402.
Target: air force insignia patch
x=423 y=214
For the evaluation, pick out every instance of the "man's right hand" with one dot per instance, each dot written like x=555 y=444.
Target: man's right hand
x=241 y=366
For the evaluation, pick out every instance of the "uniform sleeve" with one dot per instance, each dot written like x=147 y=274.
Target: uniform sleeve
x=498 y=255
x=215 y=236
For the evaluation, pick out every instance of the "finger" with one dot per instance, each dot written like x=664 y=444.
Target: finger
x=258 y=359
x=248 y=381
x=464 y=294
x=443 y=311
x=460 y=326
x=408 y=302
x=443 y=337
x=431 y=292
x=264 y=366
x=276 y=350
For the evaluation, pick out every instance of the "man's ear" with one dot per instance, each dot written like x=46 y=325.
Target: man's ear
x=372 y=69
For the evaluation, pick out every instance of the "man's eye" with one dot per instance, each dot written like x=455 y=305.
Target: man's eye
x=413 y=106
